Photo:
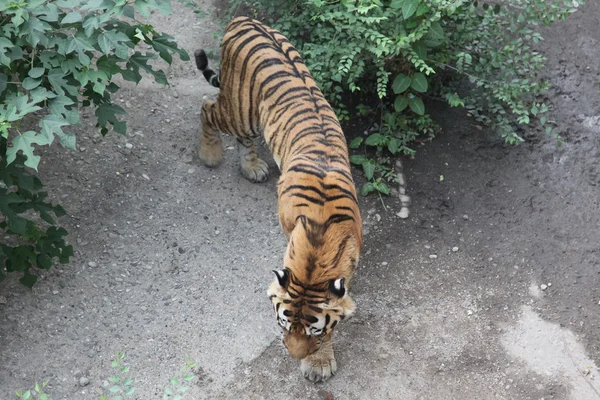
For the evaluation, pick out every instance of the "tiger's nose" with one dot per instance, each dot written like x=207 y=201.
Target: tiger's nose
x=297 y=346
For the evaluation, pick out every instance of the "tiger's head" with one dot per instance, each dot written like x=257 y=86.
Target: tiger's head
x=310 y=295
x=308 y=314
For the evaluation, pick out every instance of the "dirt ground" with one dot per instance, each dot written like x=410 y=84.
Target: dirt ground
x=181 y=257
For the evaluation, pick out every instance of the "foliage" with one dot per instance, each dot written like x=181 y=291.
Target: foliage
x=122 y=386
x=36 y=393
x=56 y=57
x=400 y=52
x=179 y=384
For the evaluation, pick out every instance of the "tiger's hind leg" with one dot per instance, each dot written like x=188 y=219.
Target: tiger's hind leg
x=253 y=168
x=321 y=365
x=211 y=146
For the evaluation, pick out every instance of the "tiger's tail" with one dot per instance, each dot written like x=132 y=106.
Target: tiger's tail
x=202 y=63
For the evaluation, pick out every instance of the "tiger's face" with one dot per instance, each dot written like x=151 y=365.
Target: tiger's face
x=308 y=314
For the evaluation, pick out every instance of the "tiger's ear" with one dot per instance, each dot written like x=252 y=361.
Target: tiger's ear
x=283 y=275
x=337 y=288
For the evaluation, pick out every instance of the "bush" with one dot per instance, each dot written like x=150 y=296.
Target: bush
x=55 y=57
x=396 y=53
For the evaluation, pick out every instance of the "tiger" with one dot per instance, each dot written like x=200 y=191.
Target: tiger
x=266 y=89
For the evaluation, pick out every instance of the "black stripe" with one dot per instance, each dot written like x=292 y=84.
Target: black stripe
x=345 y=208
x=337 y=218
x=309 y=198
x=303 y=187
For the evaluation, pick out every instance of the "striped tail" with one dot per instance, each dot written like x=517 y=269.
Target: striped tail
x=202 y=63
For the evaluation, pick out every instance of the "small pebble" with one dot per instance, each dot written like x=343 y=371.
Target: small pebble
x=83 y=381
x=384 y=263
x=427 y=246
x=433 y=256
x=129 y=145
x=469 y=312
x=543 y=286
x=465 y=217
x=55 y=292
x=145 y=177
x=190 y=171
x=403 y=213
x=455 y=249
x=93 y=264
x=3 y=300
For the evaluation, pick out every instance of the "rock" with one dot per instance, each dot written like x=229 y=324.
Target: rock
x=3 y=300
x=55 y=292
x=543 y=286
x=469 y=312
x=403 y=213
x=466 y=217
x=455 y=249
x=93 y=264
x=384 y=263
x=433 y=256
x=325 y=395
x=129 y=146
x=83 y=381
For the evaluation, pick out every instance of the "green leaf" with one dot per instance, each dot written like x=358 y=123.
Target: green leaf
x=107 y=114
x=188 y=377
x=36 y=72
x=416 y=104
x=419 y=82
x=367 y=188
x=30 y=84
x=109 y=40
x=375 y=139
x=355 y=143
x=401 y=103
x=52 y=124
x=436 y=32
x=422 y=9
x=358 y=159
x=169 y=391
x=369 y=169
x=36 y=30
x=139 y=61
x=174 y=381
x=393 y=145
x=5 y=46
x=409 y=7
x=382 y=187
x=396 y=4
x=80 y=44
x=24 y=143
x=72 y=17
x=115 y=389
x=164 y=45
x=401 y=83
x=129 y=391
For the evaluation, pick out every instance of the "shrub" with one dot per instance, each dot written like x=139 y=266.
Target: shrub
x=56 y=57
x=395 y=53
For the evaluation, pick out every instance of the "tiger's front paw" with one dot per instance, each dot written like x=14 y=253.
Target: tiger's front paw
x=317 y=369
x=255 y=170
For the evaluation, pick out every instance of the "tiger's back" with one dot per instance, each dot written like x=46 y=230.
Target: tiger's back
x=267 y=89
